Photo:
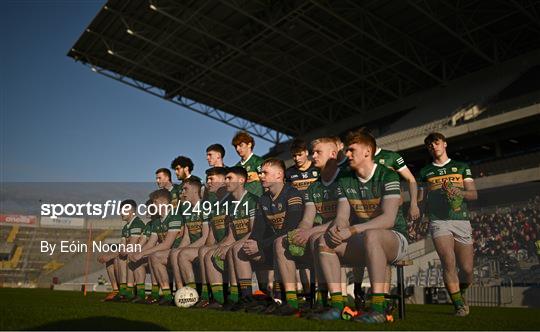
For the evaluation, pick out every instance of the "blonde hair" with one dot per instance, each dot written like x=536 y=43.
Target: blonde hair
x=325 y=140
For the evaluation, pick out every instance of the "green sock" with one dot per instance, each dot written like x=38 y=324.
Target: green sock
x=457 y=300
x=204 y=292
x=292 y=298
x=337 y=300
x=377 y=302
x=140 y=291
x=123 y=289
x=166 y=293
x=192 y=285
x=155 y=291
x=463 y=288
x=321 y=297
x=129 y=292
x=217 y=291
x=233 y=294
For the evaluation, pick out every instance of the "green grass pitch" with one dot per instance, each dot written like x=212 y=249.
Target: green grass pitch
x=42 y=309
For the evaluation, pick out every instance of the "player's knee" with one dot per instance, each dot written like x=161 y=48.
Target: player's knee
x=371 y=238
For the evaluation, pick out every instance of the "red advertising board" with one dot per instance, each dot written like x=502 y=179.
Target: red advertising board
x=18 y=219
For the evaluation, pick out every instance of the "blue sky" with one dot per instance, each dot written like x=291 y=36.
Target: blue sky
x=62 y=122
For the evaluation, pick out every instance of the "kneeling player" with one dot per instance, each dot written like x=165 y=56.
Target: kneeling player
x=376 y=236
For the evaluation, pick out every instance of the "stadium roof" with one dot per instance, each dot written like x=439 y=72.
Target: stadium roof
x=287 y=67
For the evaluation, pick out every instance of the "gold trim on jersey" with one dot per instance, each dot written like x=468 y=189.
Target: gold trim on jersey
x=366 y=208
x=218 y=222
x=437 y=181
x=302 y=185
x=253 y=176
x=327 y=209
x=276 y=220
x=194 y=227
x=241 y=226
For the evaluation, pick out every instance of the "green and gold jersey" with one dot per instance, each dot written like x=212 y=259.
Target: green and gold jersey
x=218 y=216
x=175 y=191
x=324 y=197
x=171 y=223
x=390 y=159
x=253 y=168
x=150 y=226
x=245 y=211
x=301 y=180
x=365 y=195
x=194 y=217
x=133 y=228
x=433 y=177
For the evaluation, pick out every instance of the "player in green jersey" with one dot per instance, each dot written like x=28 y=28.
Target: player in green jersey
x=169 y=234
x=369 y=228
x=195 y=233
x=320 y=209
x=164 y=181
x=116 y=264
x=183 y=168
x=148 y=241
x=244 y=145
x=215 y=154
x=449 y=184
x=216 y=196
x=131 y=232
x=240 y=210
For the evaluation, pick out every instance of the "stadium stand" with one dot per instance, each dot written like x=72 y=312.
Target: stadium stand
x=30 y=267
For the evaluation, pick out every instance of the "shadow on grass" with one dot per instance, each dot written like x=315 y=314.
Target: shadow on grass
x=99 y=323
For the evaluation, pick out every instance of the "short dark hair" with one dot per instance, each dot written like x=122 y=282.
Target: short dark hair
x=182 y=161
x=161 y=193
x=432 y=137
x=216 y=171
x=298 y=145
x=129 y=202
x=194 y=181
x=218 y=148
x=275 y=162
x=238 y=170
x=164 y=170
x=243 y=137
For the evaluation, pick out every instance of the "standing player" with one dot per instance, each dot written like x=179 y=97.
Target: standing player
x=244 y=145
x=369 y=229
x=183 y=166
x=280 y=210
x=169 y=234
x=303 y=172
x=449 y=184
x=215 y=154
x=320 y=209
x=164 y=181
x=195 y=234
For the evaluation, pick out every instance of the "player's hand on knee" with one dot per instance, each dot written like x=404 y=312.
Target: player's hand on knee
x=301 y=237
x=332 y=237
x=250 y=247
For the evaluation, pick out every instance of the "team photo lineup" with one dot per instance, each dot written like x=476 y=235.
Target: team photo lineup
x=339 y=206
